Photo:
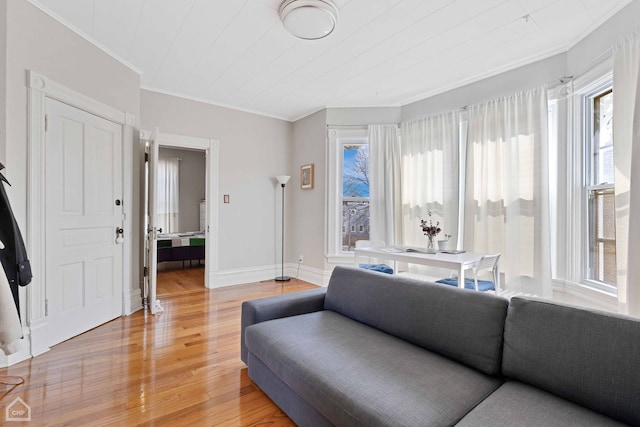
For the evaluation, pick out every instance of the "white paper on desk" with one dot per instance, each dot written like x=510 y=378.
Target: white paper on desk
x=398 y=250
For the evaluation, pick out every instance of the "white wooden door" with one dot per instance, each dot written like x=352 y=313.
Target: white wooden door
x=84 y=247
x=152 y=231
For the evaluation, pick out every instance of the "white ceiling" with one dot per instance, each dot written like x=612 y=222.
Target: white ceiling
x=236 y=53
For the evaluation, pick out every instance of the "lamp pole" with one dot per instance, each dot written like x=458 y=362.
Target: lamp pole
x=282 y=179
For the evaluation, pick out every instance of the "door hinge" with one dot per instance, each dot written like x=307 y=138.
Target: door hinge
x=145 y=272
x=46 y=307
x=146 y=157
x=46 y=122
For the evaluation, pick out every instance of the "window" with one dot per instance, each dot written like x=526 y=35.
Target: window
x=355 y=193
x=347 y=191
x=599 y=188
x=168 y=195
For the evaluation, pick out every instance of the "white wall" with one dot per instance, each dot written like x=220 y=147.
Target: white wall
x=253 y=150
x=192 y=185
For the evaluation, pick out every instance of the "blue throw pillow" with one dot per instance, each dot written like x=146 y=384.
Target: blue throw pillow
x=483 y=285
x=383 y=268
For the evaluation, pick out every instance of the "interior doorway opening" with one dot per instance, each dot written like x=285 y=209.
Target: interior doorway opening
x=181 y=207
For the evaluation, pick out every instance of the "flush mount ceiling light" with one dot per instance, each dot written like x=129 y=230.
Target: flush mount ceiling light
x=309 y=19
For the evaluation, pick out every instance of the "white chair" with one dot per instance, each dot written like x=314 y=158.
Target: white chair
x=487 y=262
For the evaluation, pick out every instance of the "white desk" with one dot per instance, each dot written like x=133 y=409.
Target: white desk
x=457 y=262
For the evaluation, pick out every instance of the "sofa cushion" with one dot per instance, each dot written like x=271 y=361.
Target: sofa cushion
x=518 y=404
x=588 y=357
x=356 y=375
x=465 y=326
x=275 y=307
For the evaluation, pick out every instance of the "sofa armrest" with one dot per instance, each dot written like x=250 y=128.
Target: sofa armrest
x=276 y=307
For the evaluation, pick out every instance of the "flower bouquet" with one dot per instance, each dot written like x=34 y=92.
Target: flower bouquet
x=431 y=231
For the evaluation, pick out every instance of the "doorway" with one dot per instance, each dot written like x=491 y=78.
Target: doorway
x=180 y=208
x=165 y=227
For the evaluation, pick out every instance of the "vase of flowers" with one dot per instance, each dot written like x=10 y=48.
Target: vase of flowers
x=431 y=231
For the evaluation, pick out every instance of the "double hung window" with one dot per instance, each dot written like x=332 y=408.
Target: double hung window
x=347 y=192
x=599 y=188
x=355 y=194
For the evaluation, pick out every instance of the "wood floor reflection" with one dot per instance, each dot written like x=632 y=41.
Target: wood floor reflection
x=179 y=368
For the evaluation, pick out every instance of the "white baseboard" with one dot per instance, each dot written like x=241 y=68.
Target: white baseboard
x=239 y=276
x=132 y=302
x=221 y=278
x=39 y=337
x=22 y=354
x=311 y=275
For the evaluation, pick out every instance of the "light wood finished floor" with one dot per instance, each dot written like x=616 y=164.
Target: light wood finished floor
x=178 y=368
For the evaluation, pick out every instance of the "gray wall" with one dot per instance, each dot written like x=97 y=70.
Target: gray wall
x=309 y=133
x=192 y=184
x=363 y=116
x=37 y=42
x=529 y=76
x=596 y=46
x=3 y=80
x=585 y=54
x=308 y=207
x=253 y=150
x=34 y=41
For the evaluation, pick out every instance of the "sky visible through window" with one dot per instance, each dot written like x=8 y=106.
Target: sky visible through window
x=355 y=171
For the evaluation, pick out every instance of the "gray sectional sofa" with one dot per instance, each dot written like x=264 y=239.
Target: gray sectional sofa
x=378 y=350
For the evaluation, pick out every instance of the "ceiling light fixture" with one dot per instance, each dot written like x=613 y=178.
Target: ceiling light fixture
x=309 y=19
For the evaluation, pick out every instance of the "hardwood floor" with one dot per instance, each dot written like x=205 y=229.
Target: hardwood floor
x=179 y=368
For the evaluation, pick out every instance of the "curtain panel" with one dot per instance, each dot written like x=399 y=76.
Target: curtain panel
x=626 y=130
x=168 y=195
x=507 y=188
x=384 y=164
x=430 y=151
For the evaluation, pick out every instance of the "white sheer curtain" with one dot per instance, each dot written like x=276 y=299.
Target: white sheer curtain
x=507 y=188
x=168 y=195
x=384 y=166
x=430 y=176
x=626 y=129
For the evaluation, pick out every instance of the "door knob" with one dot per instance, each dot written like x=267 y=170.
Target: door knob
x=119 y=235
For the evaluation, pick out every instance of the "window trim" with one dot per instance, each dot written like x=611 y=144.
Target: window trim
x=577 y=257
x=336 y=136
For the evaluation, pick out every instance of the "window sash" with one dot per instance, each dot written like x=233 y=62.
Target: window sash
x=352 y=232
x=601 y=249
x=599 y=258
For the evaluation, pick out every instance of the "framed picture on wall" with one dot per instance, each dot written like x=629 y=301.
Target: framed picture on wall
x=306 y=177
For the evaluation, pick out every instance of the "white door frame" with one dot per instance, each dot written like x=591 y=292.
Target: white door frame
x=211 y=147
x=39 y=89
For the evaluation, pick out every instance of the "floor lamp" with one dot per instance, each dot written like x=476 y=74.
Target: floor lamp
x=282 y=179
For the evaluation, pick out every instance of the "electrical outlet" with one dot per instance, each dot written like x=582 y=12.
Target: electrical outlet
x=301 y=259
